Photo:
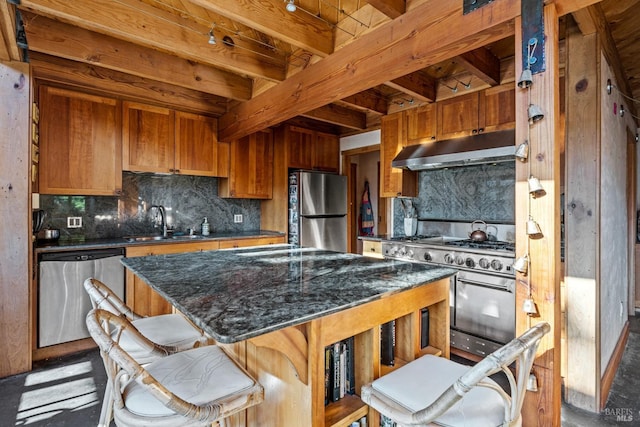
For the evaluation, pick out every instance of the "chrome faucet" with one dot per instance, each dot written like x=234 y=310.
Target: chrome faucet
x=163 y=218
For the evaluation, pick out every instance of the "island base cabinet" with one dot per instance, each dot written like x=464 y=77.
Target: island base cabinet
x=290 y=363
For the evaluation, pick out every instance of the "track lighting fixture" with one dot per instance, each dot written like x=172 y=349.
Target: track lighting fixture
x=535 y=187
x=291 y=6
x=533 y=229
x=522 y=152
x=522 y=264
x=535 y=113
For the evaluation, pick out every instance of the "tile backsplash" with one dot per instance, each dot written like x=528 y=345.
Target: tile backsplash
x=187 y=200
x=484 y=192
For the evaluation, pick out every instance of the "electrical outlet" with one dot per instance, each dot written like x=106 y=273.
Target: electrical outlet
x=237 y=218
x=74 y=222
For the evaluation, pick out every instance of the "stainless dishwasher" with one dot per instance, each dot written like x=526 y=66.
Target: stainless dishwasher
x=63 y=303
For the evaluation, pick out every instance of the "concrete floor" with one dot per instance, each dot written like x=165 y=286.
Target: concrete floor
x=68 y=392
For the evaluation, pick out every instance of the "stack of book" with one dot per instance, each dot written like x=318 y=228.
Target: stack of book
x=339 y=370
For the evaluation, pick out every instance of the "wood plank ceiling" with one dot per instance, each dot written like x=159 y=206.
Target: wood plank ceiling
x=160 y=51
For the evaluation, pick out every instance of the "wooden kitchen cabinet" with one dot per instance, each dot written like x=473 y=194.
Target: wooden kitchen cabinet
x=148 y=138
x=80 y=143
x=251 y=168
x=458 y=116
x=257 y=241
x=499 y=108
x=312 y=150
x=161 y=140
x=421 y=124
x=394 y=181
x=489 y=110
x=197 y=149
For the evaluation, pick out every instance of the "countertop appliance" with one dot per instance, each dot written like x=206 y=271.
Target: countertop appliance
x=63 y=303
x=482 y=294
x=318 y=210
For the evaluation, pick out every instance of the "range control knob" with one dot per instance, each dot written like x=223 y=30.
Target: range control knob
x=496 y=265
x=448 y=258
x=392 y=251
x=427 y=256
x=469 y=262
x=459 y=260
x=484 y=263
x=409 y=253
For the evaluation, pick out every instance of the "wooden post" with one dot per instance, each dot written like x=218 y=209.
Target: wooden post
x=15 y=204
x=541 y=407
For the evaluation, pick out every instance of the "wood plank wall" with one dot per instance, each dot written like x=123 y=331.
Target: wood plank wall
x=15 y=237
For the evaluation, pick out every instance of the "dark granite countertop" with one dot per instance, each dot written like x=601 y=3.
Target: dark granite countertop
x=118 y=242
x=238 y=294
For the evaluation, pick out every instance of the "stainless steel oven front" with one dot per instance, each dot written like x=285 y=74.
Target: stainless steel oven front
x=482 y=311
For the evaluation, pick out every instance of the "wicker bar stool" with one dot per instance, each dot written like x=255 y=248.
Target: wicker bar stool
x=171 y=333
x=436 y=391
x=191 y=388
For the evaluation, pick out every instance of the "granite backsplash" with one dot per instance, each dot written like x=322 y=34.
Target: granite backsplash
x=187 y=200
x=479 y=192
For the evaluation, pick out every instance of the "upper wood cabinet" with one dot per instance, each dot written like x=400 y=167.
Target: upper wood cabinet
x=394 y=182
x=80 y=143
x=421 y=124
x=312 y=150
x=148 y=138
x=489 y=110
x=458 y=116
x=198 y=151
x=499 y=108
x=157 y=139
x=251 y=167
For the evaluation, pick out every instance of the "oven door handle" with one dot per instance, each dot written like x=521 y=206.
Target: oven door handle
x=484 y=285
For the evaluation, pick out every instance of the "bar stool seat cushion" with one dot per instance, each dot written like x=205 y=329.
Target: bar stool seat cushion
x=198 y=376
x=409 y=388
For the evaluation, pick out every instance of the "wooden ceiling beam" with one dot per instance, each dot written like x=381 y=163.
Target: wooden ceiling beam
x=482 y=64
x=433 y=32
x=58 y=39
x=367 y=100
x=140 y=23
x=270 y=17
x=9 y=50
x=391 y=8
x=125 y=86
x=338 y=115
x=418 y=86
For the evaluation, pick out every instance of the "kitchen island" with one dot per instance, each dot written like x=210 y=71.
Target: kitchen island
x=276 y=308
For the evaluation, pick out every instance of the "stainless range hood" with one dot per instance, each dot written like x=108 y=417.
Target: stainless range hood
x=492 y=147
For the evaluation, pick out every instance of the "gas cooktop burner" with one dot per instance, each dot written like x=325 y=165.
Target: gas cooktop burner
x=487 y=244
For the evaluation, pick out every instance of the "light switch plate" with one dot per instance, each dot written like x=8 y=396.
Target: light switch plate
x=237 y=218
x=74 y=222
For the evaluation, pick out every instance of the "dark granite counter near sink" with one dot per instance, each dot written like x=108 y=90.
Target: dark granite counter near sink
x=238 y=294
x=115 y=242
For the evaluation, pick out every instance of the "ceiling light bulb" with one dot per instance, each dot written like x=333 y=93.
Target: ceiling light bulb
x=212 y=38
x=291 y=6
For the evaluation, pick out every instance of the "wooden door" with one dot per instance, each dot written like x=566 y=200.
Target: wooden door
x=251 y=172
x=498 y=108
x=148 y=138
x=80 y=143
x=458 y=116
x=326 y=152
x=421 y=124
x=300 y=146
x=197 y=150
x=393 y=181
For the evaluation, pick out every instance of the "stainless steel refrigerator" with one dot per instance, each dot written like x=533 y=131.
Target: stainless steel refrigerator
x=318 y=210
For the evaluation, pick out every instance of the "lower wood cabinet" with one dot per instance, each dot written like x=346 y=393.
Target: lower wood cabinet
x=144 y=300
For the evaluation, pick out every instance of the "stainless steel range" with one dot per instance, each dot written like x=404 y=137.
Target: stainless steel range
x=482 y=295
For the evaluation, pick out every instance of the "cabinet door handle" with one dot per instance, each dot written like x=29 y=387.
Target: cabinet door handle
x=480 y=130
x=475 y=131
